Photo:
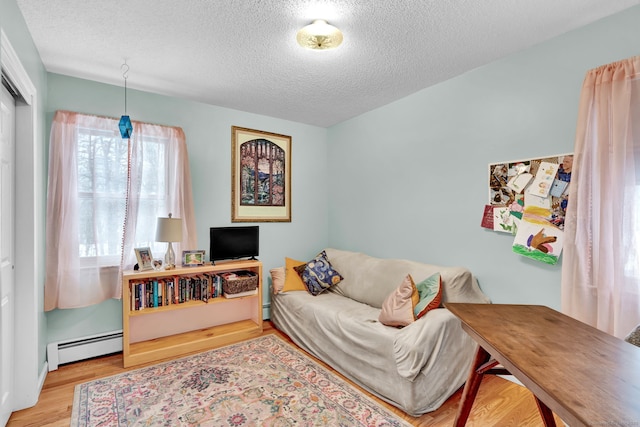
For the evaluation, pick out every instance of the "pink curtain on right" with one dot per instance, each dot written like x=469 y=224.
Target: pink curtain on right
x=601 y=265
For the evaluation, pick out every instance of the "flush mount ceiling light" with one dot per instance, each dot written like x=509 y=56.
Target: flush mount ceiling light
x=319 y=36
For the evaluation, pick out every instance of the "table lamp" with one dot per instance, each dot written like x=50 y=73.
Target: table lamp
x=169 y=230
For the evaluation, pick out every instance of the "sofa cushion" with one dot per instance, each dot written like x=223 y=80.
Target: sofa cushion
x=415 y=368
x=277 y=279
x=370 y=280
x=397 y=309
x=318 y=275
x=292 y=282
x=430 y=290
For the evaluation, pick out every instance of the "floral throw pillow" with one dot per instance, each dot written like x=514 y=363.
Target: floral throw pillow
x=318 y=275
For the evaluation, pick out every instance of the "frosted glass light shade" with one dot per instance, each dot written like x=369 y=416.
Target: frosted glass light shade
x=319 y=36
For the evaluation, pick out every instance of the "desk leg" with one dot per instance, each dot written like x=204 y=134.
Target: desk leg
x=471 y=387
x=546 y=414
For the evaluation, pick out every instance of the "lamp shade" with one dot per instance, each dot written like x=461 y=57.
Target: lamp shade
x=169 y=229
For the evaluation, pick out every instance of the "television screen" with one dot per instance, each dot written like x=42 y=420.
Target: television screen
x=234 y=242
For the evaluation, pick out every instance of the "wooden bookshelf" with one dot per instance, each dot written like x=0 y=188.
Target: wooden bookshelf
x=156 y=333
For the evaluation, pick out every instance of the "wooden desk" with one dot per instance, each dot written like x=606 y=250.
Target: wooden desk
x=585 y=376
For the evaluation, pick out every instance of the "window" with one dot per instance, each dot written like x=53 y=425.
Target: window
x=102 y=186
x=103 y=198
x=601 y=269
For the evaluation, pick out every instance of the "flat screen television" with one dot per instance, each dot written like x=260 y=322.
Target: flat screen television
x=234 y=242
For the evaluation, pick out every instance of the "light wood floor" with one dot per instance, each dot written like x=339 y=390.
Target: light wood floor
x=499 y=402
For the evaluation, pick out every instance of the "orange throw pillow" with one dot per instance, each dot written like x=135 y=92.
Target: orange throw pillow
x=292 y=280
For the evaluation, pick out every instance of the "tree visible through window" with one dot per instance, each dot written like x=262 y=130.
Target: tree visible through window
x=102 y=162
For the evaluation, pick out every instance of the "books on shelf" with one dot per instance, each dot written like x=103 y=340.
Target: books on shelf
x=164 y=291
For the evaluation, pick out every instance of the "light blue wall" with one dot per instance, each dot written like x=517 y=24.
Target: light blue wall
x=409 y=180
x=208 y=132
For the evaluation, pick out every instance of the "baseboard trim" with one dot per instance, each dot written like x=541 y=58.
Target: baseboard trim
x=41 y=378
x=32 y=399
x=82 y=348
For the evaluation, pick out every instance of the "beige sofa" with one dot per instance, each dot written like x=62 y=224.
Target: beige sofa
x=415 y=368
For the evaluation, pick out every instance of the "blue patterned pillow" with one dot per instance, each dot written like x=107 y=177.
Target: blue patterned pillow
x=318 y=275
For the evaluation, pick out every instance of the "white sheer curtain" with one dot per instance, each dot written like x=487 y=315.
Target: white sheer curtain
x=104 y=196
x=601 y=265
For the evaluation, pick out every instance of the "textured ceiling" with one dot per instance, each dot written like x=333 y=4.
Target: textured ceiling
x=242 y=54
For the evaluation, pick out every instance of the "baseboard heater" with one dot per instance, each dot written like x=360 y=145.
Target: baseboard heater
x=73 y=350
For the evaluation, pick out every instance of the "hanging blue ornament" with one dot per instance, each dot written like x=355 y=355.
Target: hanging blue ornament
x=125 y=122
x=125 y=127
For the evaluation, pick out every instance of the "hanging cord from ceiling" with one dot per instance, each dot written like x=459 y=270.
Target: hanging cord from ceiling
x=125 y=75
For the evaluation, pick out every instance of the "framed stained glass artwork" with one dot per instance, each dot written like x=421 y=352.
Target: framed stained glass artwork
x=260 y=176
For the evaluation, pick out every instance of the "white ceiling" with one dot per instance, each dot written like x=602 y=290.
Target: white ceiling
x=242 y=54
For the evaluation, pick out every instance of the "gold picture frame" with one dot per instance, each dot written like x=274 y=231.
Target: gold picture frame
x=260 y=176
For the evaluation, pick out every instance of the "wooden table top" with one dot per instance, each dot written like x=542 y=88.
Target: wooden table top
x=584 y=375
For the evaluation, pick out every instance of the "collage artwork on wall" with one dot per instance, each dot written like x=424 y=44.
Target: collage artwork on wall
x=528 y=198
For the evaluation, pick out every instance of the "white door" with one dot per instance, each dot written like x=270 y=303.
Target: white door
x=7 y=156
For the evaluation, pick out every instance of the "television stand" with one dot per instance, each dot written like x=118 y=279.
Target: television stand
x=181 y=325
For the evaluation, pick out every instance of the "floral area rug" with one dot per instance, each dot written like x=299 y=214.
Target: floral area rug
x=260 y=382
